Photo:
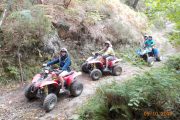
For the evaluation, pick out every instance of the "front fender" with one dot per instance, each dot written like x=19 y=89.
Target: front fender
x=89 y=59
x=94 y=62
x=116 y=61
x=69 y=79
x=45 y=83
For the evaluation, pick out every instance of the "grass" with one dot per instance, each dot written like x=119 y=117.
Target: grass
x=129 y=55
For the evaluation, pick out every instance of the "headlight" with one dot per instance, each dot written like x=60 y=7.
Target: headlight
x=46 y=71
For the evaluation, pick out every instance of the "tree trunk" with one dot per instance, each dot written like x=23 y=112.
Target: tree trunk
x=3 y=17
x=9 y=6
x=135 y=4
x=20 y=65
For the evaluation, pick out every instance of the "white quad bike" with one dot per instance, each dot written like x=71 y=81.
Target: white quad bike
x=96 y=64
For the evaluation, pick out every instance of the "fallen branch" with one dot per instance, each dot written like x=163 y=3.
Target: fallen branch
x=20 y=65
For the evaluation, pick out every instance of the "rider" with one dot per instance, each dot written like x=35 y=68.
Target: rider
x=145 y=38
x=64 y=65
x=107 y=53
x=150 y=43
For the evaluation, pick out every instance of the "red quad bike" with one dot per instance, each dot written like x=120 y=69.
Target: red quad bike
x=46 y=87
x=95 y=66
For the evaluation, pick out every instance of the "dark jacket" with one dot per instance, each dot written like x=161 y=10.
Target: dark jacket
x=64 y=63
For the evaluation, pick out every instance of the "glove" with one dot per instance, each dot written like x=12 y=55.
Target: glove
x=97 y=54
x=44 y=65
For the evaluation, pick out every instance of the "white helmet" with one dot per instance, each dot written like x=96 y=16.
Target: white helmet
x=63 y=50
x=109 y=43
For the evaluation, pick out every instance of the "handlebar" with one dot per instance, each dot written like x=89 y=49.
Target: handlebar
x=44 y=65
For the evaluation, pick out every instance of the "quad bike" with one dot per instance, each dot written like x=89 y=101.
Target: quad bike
x=46 y=87
x=96 y=64
x=148 y=56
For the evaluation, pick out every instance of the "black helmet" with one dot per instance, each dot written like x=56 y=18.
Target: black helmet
x=150 y=37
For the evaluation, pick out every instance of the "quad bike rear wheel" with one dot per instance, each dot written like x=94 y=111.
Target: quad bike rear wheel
x=158 y=58
x=84 y=68
x=29 y=94
x=49 y=102
x=95 y=74
x=117 y=70
x=76 y=89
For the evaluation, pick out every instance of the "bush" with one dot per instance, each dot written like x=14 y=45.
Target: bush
x=22 y=35
x=130 y=55
x=174 y=62
x=175 y=38
x=26 y=27
x=154 y=91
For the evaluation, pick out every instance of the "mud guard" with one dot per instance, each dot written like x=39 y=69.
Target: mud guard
x=116 y=61
x=48 y=83
x=94 y=62
x=71 y=78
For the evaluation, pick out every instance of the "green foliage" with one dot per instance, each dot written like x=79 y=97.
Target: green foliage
x=76 y=61
x=12 y=73
x=174 y=38
x=157 y=90
x=169 y=9
x=29 y=26
x=30 y=71
x=130 y=55
x=22 y=35
x=174 y=62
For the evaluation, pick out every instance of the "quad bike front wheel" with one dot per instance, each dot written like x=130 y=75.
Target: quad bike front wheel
x=84 y=68
x=29 y=92
x=49 y=102
x=76 y=89
x=117 y=70
x=150 y=61
x=95 y=74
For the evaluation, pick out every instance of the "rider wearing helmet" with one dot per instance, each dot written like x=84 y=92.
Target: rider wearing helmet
x=64 y=65
x=149 y=42
x=145 y=38
x=107 y=52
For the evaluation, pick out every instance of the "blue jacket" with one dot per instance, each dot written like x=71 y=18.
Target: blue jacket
x=64 y=63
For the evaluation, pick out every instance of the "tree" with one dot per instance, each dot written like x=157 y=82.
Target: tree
x=135 y=4
x=132 y=3
x=170 y=10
